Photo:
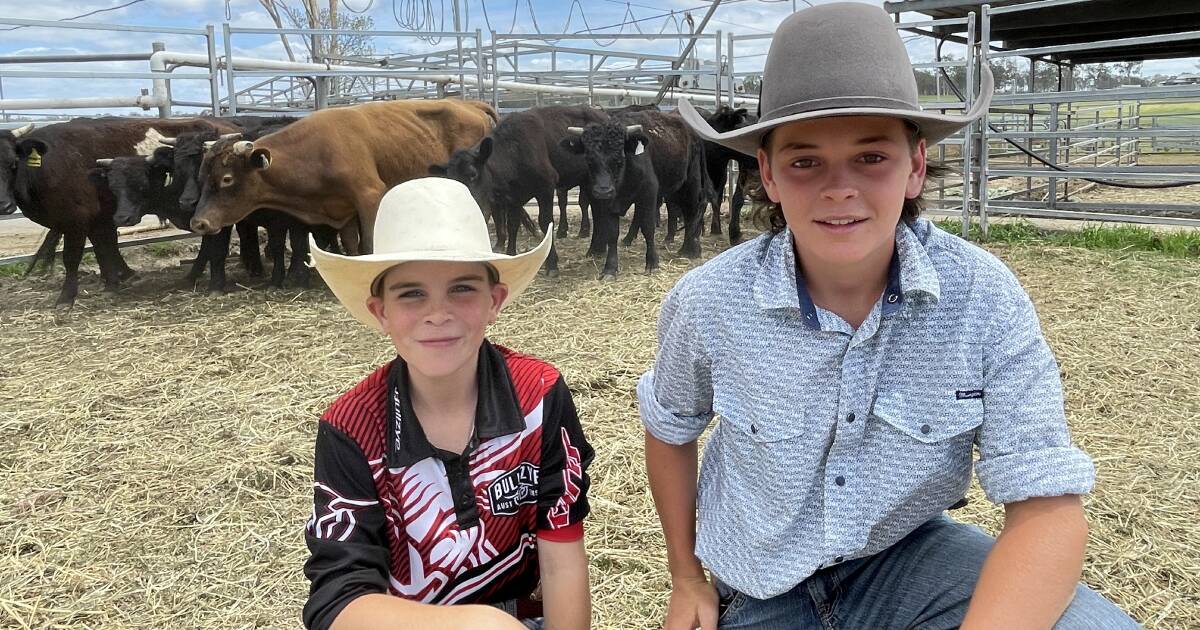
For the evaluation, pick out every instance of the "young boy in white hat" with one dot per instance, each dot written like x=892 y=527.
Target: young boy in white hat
x=455 y=474
x=855 y=355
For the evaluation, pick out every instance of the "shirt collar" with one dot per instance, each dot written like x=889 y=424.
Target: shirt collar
x=496 y=411
x=779 y=283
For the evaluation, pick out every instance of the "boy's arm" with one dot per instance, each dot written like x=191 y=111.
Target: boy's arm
x=675 y=400
x=566 y=598
x=1028 y=464
x=1029 y=577
x=672 y=473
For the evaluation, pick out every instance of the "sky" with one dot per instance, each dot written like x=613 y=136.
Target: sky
x=742 y=17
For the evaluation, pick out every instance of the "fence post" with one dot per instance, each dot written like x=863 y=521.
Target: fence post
x=229 y=70
x=717 y=74
x=985 y=31
x=162 y=87
x=732 y=80
x=968 y=136
x=495 y=73
x=214 y=70
x=1052 y=183
x=479 y=61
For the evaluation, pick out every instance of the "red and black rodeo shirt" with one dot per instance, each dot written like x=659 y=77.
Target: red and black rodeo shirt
x=394 y=514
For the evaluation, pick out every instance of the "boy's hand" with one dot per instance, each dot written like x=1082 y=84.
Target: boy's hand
x=693 y=604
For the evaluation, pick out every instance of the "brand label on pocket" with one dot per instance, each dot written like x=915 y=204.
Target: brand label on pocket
x=968 y=394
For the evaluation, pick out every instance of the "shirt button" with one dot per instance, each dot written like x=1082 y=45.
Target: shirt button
x=892 y=297
x=754 y=428
x=850 y=418
x=840 y=480
x=925 y=428
x=838 y=559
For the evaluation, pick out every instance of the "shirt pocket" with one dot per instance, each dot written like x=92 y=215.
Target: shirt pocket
x=929 y=417
x=768 y=432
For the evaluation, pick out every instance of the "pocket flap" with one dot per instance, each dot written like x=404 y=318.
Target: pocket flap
x=928 y=417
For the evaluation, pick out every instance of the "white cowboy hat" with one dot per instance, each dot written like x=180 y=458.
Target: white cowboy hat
x=838 y=59
x=430 y=218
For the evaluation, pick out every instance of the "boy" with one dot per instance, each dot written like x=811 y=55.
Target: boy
x=855 y=354
x=455 y=473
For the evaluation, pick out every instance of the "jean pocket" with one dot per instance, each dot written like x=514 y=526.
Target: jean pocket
x=728 y=600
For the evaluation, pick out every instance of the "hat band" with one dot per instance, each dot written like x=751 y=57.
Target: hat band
x=841 y=102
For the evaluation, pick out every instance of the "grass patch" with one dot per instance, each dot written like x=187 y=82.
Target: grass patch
x=164 y=250
x=1180 y=244
x=12 y=270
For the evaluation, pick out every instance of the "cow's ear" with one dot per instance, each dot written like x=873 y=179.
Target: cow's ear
x=635 y=142
x=98 y=176
x=572 y=144
x=27 y=147
x=741 y=111
x=485 y=150
x=440 y=170
x=261 y=158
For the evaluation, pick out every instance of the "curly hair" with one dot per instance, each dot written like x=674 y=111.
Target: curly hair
x=768 y=215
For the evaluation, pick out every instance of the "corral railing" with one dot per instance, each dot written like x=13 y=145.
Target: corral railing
x=1079 y=138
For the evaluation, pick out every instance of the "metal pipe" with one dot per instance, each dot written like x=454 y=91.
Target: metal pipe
x=161 y=87
x=73 y=58
x=86 y=102
x=229 y=62
x=214 y=72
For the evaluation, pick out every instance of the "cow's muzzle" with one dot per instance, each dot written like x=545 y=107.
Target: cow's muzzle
x=126 y=218
x=204 y=226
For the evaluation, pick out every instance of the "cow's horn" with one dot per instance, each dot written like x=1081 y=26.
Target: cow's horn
x=575 y=131
x=20 y=131
x=104 y=162
x=243 y=147
x=208 y=145
x=230 y=136
x=149 y=158
x=633 y=128
x=167 y=141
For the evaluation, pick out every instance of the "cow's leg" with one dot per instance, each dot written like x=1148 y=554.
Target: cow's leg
x=735 y=208
x=45 y=253
x=644 y=218
x=112 y=267
x=562 y=231
x=498 y=220
x=632 y=232
x=585 y=220
x=248 y=251
x=608 y=226
x=693 y=223
x=298 y=273
x=73 y=243
x=350 y=237
x=515 y=215
x=672 y=223
x=216 y=258
x=207 y=242
x=718 y=179
x=545 y=216
x=277 y=251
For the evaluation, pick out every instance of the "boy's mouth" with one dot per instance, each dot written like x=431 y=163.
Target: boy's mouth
x=439 y=342
x=840 y=224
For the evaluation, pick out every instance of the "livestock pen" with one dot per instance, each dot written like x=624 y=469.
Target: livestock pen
x=156 y=445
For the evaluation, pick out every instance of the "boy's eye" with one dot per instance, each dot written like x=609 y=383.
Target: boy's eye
x=804 y=163
x=411 y=293
x=462 y=288
x=873 y=158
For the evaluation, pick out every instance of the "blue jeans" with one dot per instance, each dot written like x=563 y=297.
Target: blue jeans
x=924 y=582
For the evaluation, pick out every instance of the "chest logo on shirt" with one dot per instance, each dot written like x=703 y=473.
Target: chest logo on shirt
x=514 y=488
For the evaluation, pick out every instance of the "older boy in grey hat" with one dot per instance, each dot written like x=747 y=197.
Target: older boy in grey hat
x=856 y=356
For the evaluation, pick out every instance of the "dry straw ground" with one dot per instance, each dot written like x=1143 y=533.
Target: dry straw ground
x=156 y=445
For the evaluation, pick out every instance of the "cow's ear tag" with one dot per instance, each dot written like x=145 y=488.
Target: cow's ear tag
x=34 y=160
x=639 y=149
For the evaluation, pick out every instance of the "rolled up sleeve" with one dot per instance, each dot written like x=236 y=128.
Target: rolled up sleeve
x=1025 y=448
x=676 y=396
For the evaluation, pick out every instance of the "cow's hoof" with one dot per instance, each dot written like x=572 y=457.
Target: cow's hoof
x=552 y=273
x=688 y=252
x=584 y=234
x=734 y=240
x=608 y=277
x=627 y=242
x=126 y=274
x=562 y=234
x=652 y=268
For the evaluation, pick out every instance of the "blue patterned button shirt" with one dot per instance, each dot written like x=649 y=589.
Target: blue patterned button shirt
x=834 y=443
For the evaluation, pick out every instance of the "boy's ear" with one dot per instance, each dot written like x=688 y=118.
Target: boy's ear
x=499 y=297
x=766 y=176
x=916 y=180
x=375 y=305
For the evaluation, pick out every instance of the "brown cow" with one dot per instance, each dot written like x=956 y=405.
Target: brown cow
x=333 y=167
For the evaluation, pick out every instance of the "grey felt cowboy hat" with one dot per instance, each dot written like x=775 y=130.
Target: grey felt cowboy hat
x=838 y=59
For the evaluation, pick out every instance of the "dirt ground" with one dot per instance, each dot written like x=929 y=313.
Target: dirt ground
x=156 y=444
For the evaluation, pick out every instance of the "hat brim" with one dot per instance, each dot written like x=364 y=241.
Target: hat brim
x=934 y=127
x=350 y=277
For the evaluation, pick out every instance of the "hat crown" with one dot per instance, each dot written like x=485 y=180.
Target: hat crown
x=430 y=214
x=844 y=54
